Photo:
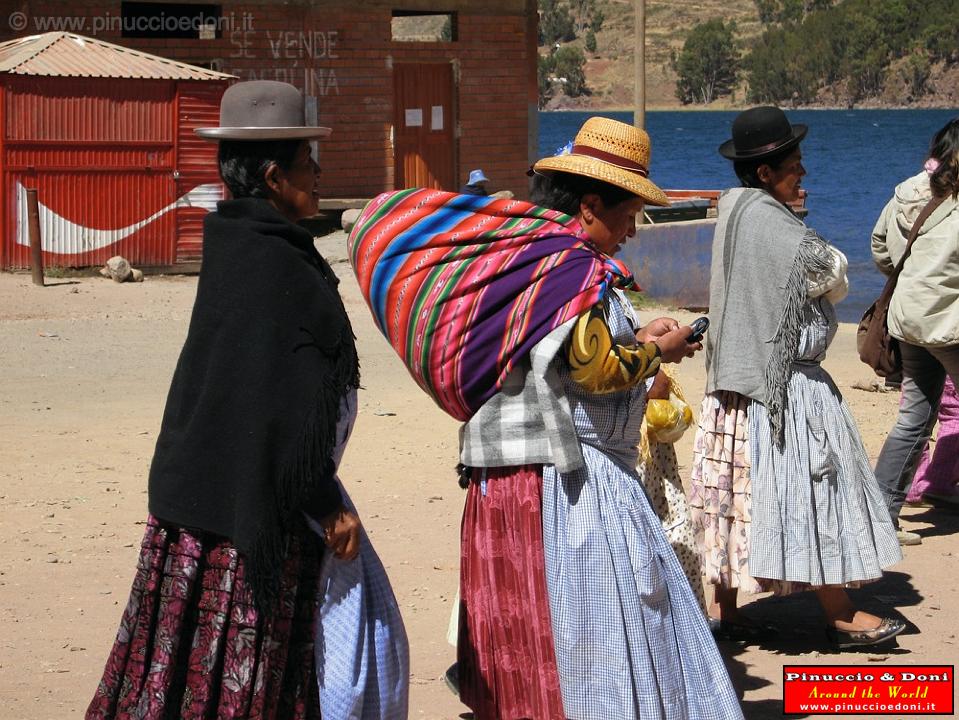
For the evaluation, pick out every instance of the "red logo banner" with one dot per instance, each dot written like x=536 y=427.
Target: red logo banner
x=868 y=689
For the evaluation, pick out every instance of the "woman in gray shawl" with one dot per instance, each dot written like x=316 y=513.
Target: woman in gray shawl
x=783 y=497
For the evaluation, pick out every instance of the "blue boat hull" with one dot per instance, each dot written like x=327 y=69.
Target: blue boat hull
x=671 y=261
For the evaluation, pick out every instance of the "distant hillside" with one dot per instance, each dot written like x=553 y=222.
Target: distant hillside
x=867 y=53
x=609 y=71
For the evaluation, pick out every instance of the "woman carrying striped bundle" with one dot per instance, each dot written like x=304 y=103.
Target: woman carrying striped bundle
x=512 y=316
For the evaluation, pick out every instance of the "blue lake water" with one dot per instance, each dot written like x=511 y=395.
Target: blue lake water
x=854 y=159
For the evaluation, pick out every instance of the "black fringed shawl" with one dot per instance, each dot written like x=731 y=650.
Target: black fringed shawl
x=249 y=426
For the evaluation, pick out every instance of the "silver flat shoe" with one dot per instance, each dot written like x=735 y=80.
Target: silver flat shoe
x=845 y=639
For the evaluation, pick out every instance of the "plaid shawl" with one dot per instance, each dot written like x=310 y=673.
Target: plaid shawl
x=463 y=287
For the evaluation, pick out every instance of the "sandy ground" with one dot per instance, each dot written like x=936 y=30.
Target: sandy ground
x=86 y=365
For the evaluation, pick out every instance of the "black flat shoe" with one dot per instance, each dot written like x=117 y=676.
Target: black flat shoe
x=945 y=501
x=727 y=631
x=452 y=678
x=844 y=639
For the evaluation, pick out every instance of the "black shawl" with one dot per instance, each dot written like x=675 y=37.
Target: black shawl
x=249 y=426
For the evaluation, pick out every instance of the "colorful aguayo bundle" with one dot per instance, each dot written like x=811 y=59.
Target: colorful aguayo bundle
x=463 y=287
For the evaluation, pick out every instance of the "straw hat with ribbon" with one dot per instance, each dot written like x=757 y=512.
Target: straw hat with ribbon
x=610 y=151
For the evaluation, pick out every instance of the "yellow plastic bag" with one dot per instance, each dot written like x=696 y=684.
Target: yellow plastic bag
x=667 y=420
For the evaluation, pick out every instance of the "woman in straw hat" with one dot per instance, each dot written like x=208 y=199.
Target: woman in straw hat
x=250 y=533
x=512 y=317
x=782 y=492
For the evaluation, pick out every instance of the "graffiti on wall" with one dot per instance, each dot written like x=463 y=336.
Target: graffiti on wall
x=292 y=56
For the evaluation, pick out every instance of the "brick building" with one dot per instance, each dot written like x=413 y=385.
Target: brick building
x=417 y=92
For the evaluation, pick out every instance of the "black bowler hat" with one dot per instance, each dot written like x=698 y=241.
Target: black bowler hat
x=761 y=131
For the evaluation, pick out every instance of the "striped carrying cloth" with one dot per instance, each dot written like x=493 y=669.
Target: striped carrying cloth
x=464 y=286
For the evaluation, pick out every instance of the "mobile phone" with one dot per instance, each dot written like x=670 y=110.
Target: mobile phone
x=699 y=326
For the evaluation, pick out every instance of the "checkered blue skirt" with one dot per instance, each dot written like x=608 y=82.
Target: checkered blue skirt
x=631 y=640
x=362 y=655
x=361 y=648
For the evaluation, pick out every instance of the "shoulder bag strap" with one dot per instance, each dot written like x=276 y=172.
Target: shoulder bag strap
x=893 y=279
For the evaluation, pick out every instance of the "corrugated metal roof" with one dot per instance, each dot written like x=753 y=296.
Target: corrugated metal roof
x=67 y=55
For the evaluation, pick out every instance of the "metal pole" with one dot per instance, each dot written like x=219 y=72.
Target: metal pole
x=33 y=230
x=639 y=81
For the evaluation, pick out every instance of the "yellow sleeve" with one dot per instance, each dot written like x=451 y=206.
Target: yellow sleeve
x=598 y=365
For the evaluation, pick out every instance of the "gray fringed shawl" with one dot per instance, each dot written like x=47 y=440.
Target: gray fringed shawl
x=762 y=256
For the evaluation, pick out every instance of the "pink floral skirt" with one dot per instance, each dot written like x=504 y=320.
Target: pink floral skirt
x=507 y=663
x=192 y=645
x=720 y=496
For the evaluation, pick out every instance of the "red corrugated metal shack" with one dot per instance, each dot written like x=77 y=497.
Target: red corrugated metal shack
x=105 y=135
x=418 y=92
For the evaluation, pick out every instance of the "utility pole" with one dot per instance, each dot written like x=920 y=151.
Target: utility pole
x=639 y=80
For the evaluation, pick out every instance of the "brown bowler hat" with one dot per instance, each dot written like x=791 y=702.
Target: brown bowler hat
x=262 y=110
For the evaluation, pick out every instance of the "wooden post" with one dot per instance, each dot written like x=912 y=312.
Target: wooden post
x=33 y=229
x=639 y=80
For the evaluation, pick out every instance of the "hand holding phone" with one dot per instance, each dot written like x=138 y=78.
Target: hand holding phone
x=699 y=326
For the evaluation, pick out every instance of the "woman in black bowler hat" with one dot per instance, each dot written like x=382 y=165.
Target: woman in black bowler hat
x=783 y=497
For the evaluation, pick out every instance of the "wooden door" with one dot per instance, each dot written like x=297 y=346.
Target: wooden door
x=423 y=138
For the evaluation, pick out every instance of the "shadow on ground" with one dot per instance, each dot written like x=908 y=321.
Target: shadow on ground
x=801 y=638
x=943 y=520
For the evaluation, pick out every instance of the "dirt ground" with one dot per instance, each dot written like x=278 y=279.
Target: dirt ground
x=86 y=364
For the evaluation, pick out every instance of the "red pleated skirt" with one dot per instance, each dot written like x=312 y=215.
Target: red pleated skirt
x=192 y=645
x=507 y=664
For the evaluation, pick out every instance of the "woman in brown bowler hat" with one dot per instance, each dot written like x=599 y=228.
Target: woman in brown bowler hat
x=257 y=593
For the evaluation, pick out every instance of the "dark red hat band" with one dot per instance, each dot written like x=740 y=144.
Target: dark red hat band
x=612 y=159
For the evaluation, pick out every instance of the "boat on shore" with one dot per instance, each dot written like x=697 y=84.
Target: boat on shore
x=671 y=253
